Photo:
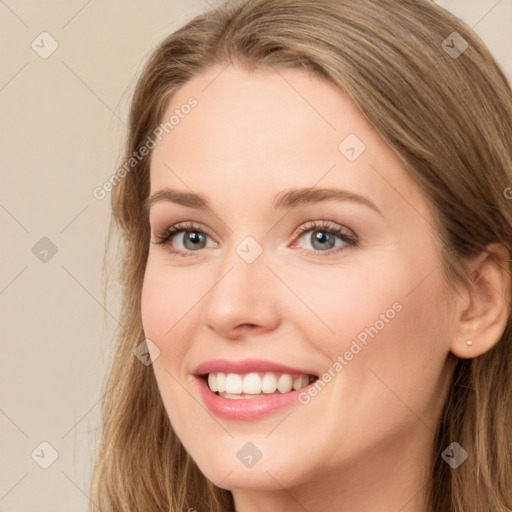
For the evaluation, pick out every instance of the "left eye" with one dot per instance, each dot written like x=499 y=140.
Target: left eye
x=323 y=237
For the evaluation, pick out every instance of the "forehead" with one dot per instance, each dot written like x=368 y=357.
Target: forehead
x=265 y=114
x=284 y=128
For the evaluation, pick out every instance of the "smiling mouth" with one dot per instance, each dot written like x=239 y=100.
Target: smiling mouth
x=255 y=384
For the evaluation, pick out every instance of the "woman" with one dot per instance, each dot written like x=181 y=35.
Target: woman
x=316 y=264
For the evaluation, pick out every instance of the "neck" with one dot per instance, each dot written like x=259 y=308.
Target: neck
x=391 y=477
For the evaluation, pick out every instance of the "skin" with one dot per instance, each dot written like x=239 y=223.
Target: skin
x=364 y=442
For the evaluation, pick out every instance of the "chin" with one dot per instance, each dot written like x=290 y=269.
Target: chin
x=270 y=474
x=248 y=479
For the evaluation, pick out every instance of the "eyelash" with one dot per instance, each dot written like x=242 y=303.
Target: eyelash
x=164 y=237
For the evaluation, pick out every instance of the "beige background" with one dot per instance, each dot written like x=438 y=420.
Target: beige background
x=63 y=122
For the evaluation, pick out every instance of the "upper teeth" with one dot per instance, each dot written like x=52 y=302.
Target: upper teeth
x=255 y=383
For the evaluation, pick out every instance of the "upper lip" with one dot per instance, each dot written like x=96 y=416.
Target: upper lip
x=246 y=366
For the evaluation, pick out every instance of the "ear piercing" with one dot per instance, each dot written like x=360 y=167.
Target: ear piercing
x=469 y=342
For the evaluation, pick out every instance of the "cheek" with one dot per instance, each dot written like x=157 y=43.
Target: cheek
x=165 y=302
x=400 y=336
x=390 y=327
x=337 y=304
x=164 y=306
x=155 y=306
x=168 y=296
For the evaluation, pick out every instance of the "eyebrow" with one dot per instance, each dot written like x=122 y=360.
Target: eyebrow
x=282 y=200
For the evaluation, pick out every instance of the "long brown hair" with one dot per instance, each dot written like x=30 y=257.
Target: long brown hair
x=445 y=109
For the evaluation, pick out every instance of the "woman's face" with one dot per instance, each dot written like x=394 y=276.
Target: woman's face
x=356 y=298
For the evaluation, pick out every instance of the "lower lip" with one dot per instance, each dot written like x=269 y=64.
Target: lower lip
x=246 y=408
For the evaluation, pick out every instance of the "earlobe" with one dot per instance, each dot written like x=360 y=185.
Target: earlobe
x=483 y=315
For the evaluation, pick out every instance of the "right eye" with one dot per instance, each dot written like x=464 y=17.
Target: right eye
x=190 y=235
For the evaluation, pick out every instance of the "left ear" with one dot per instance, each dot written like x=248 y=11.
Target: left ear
x=485 y=304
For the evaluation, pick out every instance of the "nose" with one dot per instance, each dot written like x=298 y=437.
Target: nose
x=243 y=299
